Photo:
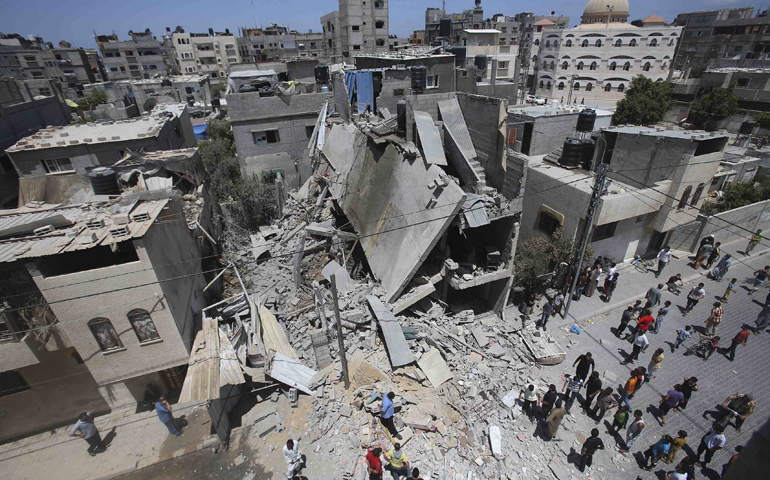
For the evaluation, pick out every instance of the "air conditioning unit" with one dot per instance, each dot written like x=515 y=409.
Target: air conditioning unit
x=44 y=230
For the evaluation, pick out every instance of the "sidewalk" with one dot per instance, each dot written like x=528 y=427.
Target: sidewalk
x=135 y=441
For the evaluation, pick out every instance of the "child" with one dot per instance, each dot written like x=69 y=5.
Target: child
x=730 y=288
x=682 y=334
x=620 y=421
x=712 y=347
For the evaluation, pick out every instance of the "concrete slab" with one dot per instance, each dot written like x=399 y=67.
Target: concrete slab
x=430 y=139
x=344 y=283
x=434 y=367
x=398 y=349
x=496 y=441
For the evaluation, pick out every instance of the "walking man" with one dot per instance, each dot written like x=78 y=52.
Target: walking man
x=531 y=397
x=629 y=388
x=163 y=409
x=584 y=363
x=722 y=267
x=605 y=402
x=634 y=431
x=86 y=429
x=703 y=253
x=572 y=386
x=676 y=445
x=682 y=334
x=694 y=296
x=610 y=274
x=553 y=420
x=386 y=414
x=713 y=441
x=558 y=301
x=730 y=289
x=654 y=294
x=548 y=400
x=759 y=278
x=620 y=421
x=591 y=445
x=640 y=345
x=671 y=400
x=664 y=256
x=656 y=452
x=547 y=310
x=755 y=239
x=743 y=405
x=662 y=312
x=741 y=338
x=655 y=361
x=593 y=387
x=712 y=323
x=689 y=385
x=293 y=458
x=624 y=320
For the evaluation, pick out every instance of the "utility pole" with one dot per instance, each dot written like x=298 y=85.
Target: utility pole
x=343 y=357
x=599 y=184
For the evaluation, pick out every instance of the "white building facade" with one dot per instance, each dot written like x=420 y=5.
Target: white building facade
x=207 y=54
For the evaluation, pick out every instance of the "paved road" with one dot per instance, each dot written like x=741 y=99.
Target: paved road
x=718 y=377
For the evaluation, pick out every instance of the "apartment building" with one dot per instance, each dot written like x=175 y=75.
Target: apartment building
x=358 y=27
x=417 y=37
x=277 y=42
x=442 y=26
x=140 y=57
x=206 y=53
x=729 y=37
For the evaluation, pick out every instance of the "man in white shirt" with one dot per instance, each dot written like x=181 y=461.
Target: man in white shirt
x=640 y=345
x=558 y=301
x=710 y=443
x=293 y=457
x=664 y=256
x=694 y=296
x=610 y=273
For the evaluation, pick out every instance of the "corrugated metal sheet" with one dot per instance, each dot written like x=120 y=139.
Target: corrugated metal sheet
x=474 y=211
x=202 y=380
x=229 y=368
x=430 y=139
x=13 y=223
x=453 y=119
x=398 y=348
x=11 y=251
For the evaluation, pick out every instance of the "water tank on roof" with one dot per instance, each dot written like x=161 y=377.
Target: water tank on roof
x=165 y=82
x=586 y=120
x=572 y=152
x=481 y=62
x=321 y=74
x=747 y=127
x=445 y=27
x=419 y=78
x=459 y=53
x=104 y=181
x=587 y=155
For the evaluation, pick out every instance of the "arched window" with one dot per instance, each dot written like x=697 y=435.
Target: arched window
x=547 y=44
x=379 y=24
x=580 y=66
x=541 y=84
x=598 y=43
x=561 y=85
x=589 y=87
x=594 y=65
x=584 y=44
x=564 y=66
x=568 y=43
x=654 y=42
x=663 y=66
x=621 y=87
x=696 y=196
x=613 y=66
x=685 y=196
x=576 y=86
x=671 y=42
x=607 y=87
x=143 y=326
x=632 y=43
x=105 y=334
x=618 y=43
x=545 y=65
x=627 y=66
x=647 y=67
x=534 y=58
x=537 y=42
x=553 y=65
x=548 y=85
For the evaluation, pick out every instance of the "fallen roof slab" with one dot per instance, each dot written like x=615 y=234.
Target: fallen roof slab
x=290 y=372
x=434 y=367
x=398 y=348
x=430 y=139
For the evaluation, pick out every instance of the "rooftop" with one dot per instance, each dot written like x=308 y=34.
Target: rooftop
x=482 y=30
x=669 y=132
x=547 y=110
x=102 y=131
x=739 y=70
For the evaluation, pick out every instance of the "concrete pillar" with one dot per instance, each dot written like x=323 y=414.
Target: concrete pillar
x=516 y=73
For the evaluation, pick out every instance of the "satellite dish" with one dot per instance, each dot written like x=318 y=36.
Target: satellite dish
x=64 y=44
x=149 y=104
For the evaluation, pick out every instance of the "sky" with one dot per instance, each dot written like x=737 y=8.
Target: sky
x=76 y=20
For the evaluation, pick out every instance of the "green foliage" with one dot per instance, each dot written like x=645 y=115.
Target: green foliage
x=637 y=23
x=97 y=97
x=249 y=201
x=718 y=103
x=540 y=255
x=697 y=69
x=762 y=118
x=736 y=195
x=646 y=102
x=217 y=90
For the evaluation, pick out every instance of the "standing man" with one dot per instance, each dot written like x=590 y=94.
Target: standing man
x=293 y=458
x=689 y=385
x=672 y=400
x=547 y=311
x=531 y=397
x=634 y=431
x=605 y=402
x=743 y=405
x=713 y=441
x=572 y=386
x=624 y=320
x=755 y=239
x=694 y=296
x=629 y=388
x=712 y=323
x=374 y=464
x=703 y=253
x=593 y=387
x=664 y=256
x=584 y=363
x=549 y=400
x=620 y=421
x=655 y=361
x=86 y=429
x=610 y=274
x=386 y=414
x=558 y=301
x=759 y=278
x=640 y=345
x=741 y=338
x=644 y=322
x=163 y=409
x=654 y=294
x=591 y=445
x=656 y=452
x=553 y=420
x=662 y=312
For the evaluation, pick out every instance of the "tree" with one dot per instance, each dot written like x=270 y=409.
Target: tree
x=637 y=23
x=539 y=256
x=217 y=90
x=97 y=97
x=646 y=102
x=716 y=104
x=762 y=118
x=736 y=195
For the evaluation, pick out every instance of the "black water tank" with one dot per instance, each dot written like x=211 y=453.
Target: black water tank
x=480 y=61
x=401 y=114
x=104 y=181
x=572 y=152
x=445 y=27
x=747 y=127
x=459 y=53
x=586 y=120
x=419 y=78
x=587 y=156
x=165 y=82
x=321 y=74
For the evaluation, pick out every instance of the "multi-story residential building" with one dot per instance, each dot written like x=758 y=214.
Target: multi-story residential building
x=730 y=37
x=206 y=53
x=509 y=28
x=597 y=59
x=169 y=53
x=140 y=57
x=417 y=37
x=277 y=42
x=531 y=28
x=487 y=42
x=442 y=26
x=358 y=27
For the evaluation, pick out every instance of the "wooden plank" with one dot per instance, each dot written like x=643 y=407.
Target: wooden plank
x=273 y=336
x=398 y=349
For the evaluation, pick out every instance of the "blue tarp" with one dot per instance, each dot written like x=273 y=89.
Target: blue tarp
x=350 y=82
x=364 y=90
x=200 y=131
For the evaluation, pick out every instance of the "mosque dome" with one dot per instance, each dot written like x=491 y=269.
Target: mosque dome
x=597 y=11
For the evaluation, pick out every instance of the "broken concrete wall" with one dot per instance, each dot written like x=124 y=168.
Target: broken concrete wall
x=392 y=91
x=341 y=99
x=457 y=160
x=485 y=117
x=387 y=198
x=424 y=103
x=515 y=178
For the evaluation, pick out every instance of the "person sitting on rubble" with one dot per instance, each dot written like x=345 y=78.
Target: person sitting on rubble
x=675 y=283
x=398 y=464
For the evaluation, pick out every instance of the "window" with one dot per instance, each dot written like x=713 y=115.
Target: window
x=379 y=4
x=309 y=130
x=621 y=87
x=545 y=65
x=548 y=223
x=613 y=66
x=355 y=28
x=696 y=196
x=627 y=66
x=589 y=87
x=604 y=231
x=547 y=44
x=122 y=69
x=548 y=85
x=105 y=334
x=399 y=92
x=598 y=43
x=738 y=49
x=743 y=82
x=356 y=47
x=564 y=66
x=37 y=74
x=133 y=67
x=618 y=43
x=380 y=42
x=584 y=44
x=685 y=196
x=143 y=326
x=502 y=41
x=266 y=137
x=113 y=69
x=580 y=66
x=542 y=84
x=576 y=86
x=55 y=165
x=379 y=24
x=568 y=43
x=632 y=43
x=593 y=65
x=607 y=87
x=502 y=64
x=537 y=42
x=561 y=86
x=129 y=53
x=12 y=382
x=654 y=42
x=647 y=67
x=432 y=81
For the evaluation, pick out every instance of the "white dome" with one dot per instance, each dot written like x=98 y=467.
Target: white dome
x=595 y=7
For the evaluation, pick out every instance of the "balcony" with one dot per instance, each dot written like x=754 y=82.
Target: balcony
x=150 y=59
x=209 y=67
x=206 y=53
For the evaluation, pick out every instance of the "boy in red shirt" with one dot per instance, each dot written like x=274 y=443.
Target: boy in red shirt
x=374 y=464
x=645 y=321
x=742 y=337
